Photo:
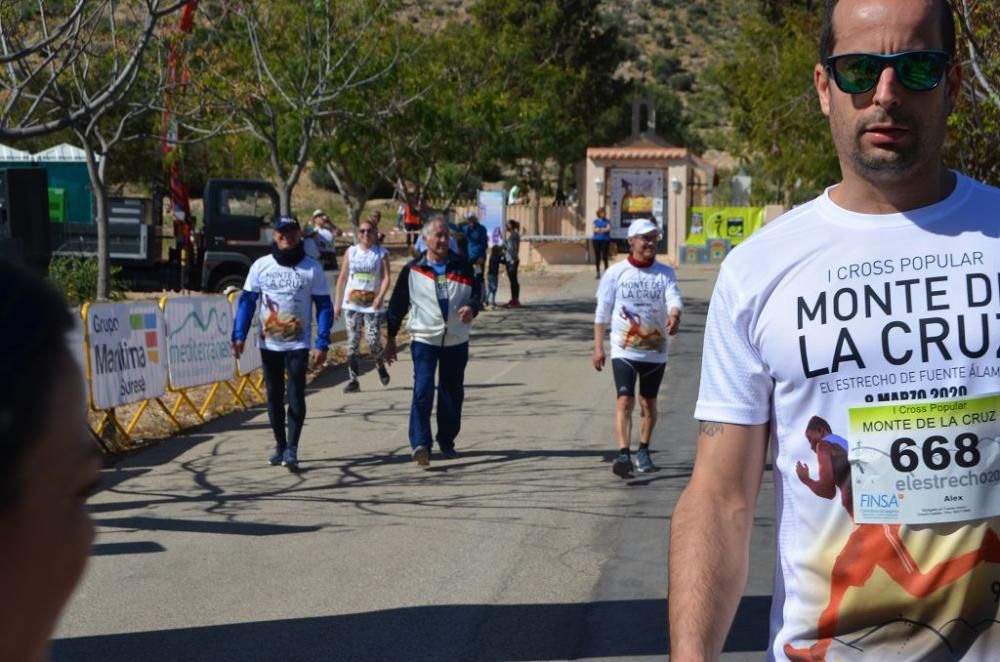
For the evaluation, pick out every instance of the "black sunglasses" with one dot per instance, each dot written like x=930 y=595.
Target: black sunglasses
x=918 y=71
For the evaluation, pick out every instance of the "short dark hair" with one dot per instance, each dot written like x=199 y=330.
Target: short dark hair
x=827 y=39
x=819 y=424
x=33 y=357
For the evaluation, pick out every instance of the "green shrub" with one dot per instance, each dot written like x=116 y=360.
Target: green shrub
x=76 y=278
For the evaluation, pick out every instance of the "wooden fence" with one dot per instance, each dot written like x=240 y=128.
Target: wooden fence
x=553 y=220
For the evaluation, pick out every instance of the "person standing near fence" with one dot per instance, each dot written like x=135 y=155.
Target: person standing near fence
x=602 y=239
x=476 y=242
x=440 y=295
x=288 y=283
x=50 y=466
x=361 y=288
x=512 y=259
x=411 y=223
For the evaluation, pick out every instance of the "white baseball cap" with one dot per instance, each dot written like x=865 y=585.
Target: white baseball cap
x=319 y=212
x=642 y=226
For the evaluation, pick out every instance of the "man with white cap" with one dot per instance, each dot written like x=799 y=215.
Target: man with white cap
x=320 y=236
x=639 y=299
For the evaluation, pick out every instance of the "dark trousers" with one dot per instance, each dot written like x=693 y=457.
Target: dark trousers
x=449 y=364
x=275 y=365
x=601 y=249
x=515 y=287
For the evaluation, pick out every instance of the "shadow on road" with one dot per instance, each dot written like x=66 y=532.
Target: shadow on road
x=606 y=629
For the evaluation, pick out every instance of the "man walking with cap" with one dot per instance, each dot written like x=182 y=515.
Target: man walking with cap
x=639 y=299
x=288 y=283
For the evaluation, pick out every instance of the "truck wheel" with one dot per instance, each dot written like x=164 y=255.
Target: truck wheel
x=230 y=281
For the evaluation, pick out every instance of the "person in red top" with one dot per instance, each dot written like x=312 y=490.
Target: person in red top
x=411 y=223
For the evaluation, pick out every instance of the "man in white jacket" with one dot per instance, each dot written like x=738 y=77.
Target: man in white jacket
x=639 y=299
x=441 y=295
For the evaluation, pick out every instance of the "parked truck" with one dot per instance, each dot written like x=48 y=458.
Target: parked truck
x=153 y=252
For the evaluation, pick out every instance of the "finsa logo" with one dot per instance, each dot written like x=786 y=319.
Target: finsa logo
x=879 y=501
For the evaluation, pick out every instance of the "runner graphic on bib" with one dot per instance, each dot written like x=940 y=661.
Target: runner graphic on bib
x=869 y=546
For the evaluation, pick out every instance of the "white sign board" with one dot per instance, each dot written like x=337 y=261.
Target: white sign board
x=492 y=213
x=250 y=358
x=127 y=353
x=198 y=340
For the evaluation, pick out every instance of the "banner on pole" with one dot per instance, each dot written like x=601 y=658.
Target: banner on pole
x=126 y=353
x=492 y=214
x=635 y=194
x=250 y=358
x=198 y=340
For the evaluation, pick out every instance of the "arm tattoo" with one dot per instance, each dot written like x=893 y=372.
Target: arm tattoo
x=710 y=428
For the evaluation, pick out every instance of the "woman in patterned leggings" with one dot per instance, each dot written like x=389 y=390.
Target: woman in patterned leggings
x=361 y=288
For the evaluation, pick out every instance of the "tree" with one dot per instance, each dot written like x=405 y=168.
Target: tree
x=281 y=68
x=774 y=117
x=45 y=45
x=563 y=56
x=975 y=125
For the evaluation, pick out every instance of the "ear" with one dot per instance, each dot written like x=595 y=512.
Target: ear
x=954 y=80
x=821 y=81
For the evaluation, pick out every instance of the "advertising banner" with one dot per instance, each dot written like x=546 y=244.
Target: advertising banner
x=635 y=194
x=250 y=358
x=198 y=331
x=127 y=353
x=732 y=223
x=492 y=214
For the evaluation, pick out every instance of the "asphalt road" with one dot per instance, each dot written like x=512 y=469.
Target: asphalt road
x=526 y=547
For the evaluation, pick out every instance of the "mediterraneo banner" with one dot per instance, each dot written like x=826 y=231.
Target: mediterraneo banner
x=198 y=333
x=732 y=223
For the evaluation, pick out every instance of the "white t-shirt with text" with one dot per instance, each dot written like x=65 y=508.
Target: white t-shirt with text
x=887 y=328
x=636 y=302
x=286 y=301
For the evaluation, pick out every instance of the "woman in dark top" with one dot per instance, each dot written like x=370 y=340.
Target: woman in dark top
x=512 y=249
x=602 y=239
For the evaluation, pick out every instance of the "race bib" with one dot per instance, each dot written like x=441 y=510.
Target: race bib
x=925 y=462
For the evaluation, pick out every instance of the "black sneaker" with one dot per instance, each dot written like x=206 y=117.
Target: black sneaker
x=352 y=386
x=383 y=375
x=622 y=466
x=277 y=457
x=449 y=453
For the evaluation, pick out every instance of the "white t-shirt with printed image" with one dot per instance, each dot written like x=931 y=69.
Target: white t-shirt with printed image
x=635 y=302
x=285 y=297
x=888 y=329
x=364 y=278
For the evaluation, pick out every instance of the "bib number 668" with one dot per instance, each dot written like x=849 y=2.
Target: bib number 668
x=936 y=452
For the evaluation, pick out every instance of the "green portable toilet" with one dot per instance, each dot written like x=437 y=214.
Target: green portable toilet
x=67 y=169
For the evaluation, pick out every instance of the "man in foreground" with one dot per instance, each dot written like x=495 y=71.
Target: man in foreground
x=912 y=244
x=50 y=466
x=639 y=299
x=288 y=283
x=441 y=295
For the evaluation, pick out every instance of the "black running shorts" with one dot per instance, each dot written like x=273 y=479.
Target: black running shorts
x=649 y=374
